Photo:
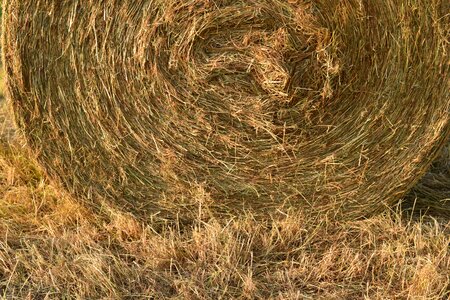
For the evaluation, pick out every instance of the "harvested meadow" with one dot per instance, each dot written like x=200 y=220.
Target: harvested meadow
x=53 y=247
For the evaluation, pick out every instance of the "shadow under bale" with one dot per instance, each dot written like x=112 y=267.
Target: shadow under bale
x=168 y=107
x=431 y=194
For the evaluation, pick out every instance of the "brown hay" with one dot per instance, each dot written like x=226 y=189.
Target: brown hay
x=330 y=105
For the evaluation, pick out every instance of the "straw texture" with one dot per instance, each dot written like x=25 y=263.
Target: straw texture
x=158 y=106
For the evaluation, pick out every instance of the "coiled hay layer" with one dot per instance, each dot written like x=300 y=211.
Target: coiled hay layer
x=155 y=105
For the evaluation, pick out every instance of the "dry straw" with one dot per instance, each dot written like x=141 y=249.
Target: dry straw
x=164 y=105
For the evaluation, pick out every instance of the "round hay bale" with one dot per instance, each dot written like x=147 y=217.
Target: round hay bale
x=156 y=105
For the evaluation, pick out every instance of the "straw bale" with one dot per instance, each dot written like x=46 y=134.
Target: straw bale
x=158 y=106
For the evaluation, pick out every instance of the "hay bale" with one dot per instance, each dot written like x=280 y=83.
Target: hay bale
x=326 y=105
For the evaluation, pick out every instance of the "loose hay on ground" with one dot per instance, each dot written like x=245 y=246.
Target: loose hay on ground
x=328 y=105
x=53 y=247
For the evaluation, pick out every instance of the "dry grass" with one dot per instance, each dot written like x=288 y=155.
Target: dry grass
x=337 y=107
x=53 y=247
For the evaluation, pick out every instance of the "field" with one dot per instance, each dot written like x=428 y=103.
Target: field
x=54 y=247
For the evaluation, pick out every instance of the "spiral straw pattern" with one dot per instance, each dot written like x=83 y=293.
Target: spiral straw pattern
x=330 y=106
